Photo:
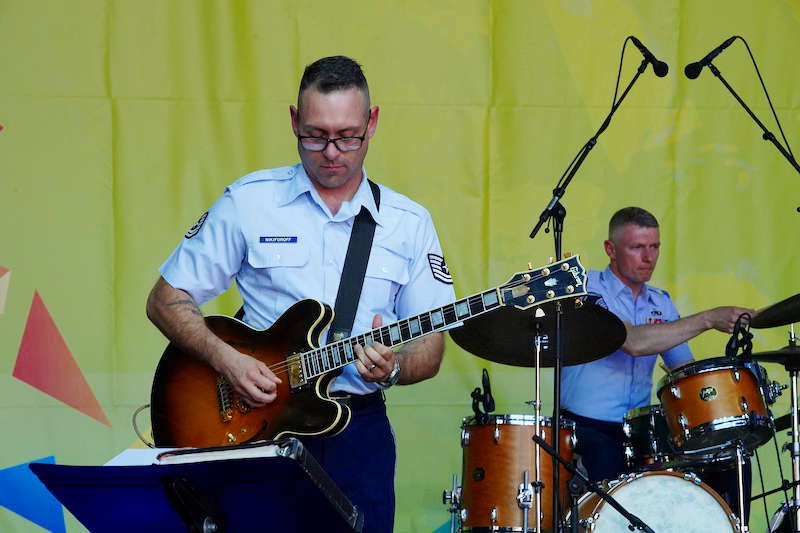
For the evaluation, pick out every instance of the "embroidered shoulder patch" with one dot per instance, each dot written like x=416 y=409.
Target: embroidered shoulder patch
x=197 y=225
x=439 y=269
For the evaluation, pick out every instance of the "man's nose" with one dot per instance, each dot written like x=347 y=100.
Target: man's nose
x=331 y=152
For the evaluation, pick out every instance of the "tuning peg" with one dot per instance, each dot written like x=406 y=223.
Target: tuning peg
x=530 y=266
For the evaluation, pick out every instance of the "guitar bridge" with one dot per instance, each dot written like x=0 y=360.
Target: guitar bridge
x=224 y=399
x=297 y=377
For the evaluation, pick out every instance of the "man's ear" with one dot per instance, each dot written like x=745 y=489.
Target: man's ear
x=611 y=250
x=295 y=114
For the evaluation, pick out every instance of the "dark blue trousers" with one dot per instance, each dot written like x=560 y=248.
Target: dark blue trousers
x=361 y=461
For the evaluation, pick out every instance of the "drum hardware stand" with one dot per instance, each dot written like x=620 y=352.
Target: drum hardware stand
x=740 y=485
x=538 y=484
x=556 y=212
x=635 y=522
x=454 y=499
x=525 y=502
x=793 y=367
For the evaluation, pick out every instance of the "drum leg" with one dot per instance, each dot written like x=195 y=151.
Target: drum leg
x=740 y=483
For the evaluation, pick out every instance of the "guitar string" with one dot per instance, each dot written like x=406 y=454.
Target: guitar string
x=283 y=366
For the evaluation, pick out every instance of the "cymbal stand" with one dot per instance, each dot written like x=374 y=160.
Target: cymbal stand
x=793 y=367
x=537 y=420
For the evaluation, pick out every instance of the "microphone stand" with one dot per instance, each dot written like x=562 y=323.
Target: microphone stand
x=767 y=135
x=635 y=522
x=557 y=212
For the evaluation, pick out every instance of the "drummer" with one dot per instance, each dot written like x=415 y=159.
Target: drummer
x=597 y=395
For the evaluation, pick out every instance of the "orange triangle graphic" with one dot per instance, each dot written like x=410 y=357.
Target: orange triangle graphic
x=45 y=362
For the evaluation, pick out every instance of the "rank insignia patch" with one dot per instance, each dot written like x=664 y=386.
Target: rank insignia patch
x=197 y=225
x=439 y=269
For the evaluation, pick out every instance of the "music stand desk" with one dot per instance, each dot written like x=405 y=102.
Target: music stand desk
x=275 y=493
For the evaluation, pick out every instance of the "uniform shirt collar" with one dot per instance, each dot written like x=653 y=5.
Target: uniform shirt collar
x=301 y=184
x=616 y=286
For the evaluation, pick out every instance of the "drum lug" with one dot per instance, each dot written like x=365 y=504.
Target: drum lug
x=683 y=422
x=463 y=515
x=626 y=429
x=744 y=405
x=573 y=441
x=493 y=515
x=676 y=392
x=464 y=438
x=496 y=434
x=736 y=376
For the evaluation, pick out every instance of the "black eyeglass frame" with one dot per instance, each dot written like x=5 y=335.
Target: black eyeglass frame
x=335 y=141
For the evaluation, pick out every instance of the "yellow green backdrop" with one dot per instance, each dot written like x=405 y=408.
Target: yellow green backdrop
x=124 y=120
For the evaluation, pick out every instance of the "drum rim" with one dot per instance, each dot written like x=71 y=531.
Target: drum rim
x=638 y=412
x=702 y=366
x=727 y=422
x=516 y=420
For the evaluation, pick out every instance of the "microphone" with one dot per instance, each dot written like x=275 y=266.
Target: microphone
x=659 y=67
x=692 y=70
x=488 y=399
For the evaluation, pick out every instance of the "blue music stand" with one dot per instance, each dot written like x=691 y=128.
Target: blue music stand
x=286 y=492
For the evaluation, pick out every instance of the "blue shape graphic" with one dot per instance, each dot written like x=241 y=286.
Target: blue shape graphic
x=444 y=528
x=23 y=493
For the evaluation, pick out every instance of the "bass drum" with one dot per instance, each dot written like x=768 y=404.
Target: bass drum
x=668 y=502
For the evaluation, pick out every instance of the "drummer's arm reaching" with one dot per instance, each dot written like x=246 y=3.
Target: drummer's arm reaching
x=650 y=339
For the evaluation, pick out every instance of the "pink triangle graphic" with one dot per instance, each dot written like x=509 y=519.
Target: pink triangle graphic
x=45 y=362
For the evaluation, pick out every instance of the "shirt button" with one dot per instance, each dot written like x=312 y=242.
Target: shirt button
x=384 y=270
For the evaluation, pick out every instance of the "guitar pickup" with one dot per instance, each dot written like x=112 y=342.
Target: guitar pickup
x=297 y=377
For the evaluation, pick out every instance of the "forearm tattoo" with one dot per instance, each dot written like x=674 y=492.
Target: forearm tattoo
x=192 y=306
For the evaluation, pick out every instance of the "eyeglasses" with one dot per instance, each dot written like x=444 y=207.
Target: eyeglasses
x=343 y=144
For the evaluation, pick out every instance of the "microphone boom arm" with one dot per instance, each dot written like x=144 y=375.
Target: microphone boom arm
x=767 y=135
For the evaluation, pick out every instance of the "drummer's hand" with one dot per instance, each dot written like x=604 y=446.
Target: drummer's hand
x=724 y=318
x=376 y=361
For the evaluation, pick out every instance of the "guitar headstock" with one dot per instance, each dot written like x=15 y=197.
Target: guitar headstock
x=562 y=279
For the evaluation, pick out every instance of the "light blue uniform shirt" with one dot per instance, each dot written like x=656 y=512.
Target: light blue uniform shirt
x=273 y=234
x=607 y=388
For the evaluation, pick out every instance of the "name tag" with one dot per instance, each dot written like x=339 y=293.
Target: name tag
x=269 y=239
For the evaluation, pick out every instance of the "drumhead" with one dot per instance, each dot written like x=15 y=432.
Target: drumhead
x=700 y=367
x=668 y=502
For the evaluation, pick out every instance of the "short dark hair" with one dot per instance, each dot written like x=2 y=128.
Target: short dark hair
x=630 y=215
x=331 y=74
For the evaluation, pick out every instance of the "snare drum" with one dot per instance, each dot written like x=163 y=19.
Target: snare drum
x=668 y=502
x=714 y=402
x=496 y=455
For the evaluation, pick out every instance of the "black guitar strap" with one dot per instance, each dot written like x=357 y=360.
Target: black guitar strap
x=355 y=266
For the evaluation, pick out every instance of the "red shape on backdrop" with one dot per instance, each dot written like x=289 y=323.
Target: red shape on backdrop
x=45 y=362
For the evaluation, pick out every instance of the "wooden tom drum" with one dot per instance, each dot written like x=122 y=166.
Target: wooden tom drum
x=495 y=457
x=714 y=402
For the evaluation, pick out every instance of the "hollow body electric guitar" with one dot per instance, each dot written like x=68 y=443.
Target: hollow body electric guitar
x=192 y=405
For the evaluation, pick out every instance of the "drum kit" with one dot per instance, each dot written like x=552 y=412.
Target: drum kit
x=711 y=414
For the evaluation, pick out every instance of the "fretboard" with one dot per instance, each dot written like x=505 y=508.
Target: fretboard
x=338 y=354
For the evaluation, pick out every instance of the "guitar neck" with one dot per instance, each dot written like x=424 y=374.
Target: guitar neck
x=341 y=353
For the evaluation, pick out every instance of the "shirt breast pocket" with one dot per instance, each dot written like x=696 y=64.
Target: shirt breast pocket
x=386 y=273
x=278 y=273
